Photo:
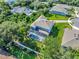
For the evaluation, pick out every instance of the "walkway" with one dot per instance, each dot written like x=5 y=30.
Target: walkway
x=61 y=21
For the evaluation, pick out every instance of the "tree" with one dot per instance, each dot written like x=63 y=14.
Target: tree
x=11 y=31
x=51 y=50
x=72 y=12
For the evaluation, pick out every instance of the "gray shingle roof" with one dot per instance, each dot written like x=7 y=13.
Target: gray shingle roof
x=10 y=1
x=71 y=38
x=61 y=8
x=25 y=10
x=43 y=22
x=75 y=22
x=18 y=9
x=41 y=28
x=28 y=11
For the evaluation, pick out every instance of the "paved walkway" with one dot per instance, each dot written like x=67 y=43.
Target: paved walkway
x=61 y=21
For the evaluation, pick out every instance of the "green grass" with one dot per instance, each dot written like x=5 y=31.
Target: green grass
x=1 y=0
x=57 y=17
x=58 y=31
x=61 y=28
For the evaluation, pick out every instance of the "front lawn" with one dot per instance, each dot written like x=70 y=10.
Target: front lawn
x=57 y=17
x=61 y=27
x=58 y=31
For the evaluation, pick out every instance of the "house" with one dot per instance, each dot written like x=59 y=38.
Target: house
x=54 y=0
x=18 y=9
x=28 y=11
x=10 y=1
x=61 y=9
x=75 y=23
x=40 y=28
x=70 y=38
x=25 y=10
x=5 y=55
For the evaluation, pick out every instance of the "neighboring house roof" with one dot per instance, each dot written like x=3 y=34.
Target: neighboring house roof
x=60 y=8
x=71 y=38
x=55 y=0
x=28 y=11
x=18 y=9
x=10 y=1
x=41 y=28
x=75 y=22
x=5 y=55
x=25 y=10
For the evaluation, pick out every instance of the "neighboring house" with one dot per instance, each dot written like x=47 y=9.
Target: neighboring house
x=28 y=11
x=75 y=22
x=40 y=28
x=61 y=9
x=18 y=9
x=25 y=10
x=5 y=55
x=55 y=0
x=71 y=38
x=10 y=1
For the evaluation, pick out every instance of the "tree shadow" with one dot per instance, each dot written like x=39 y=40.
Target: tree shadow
x=54 y=31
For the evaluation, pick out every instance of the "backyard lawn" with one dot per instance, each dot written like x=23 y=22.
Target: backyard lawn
x=57 y=17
